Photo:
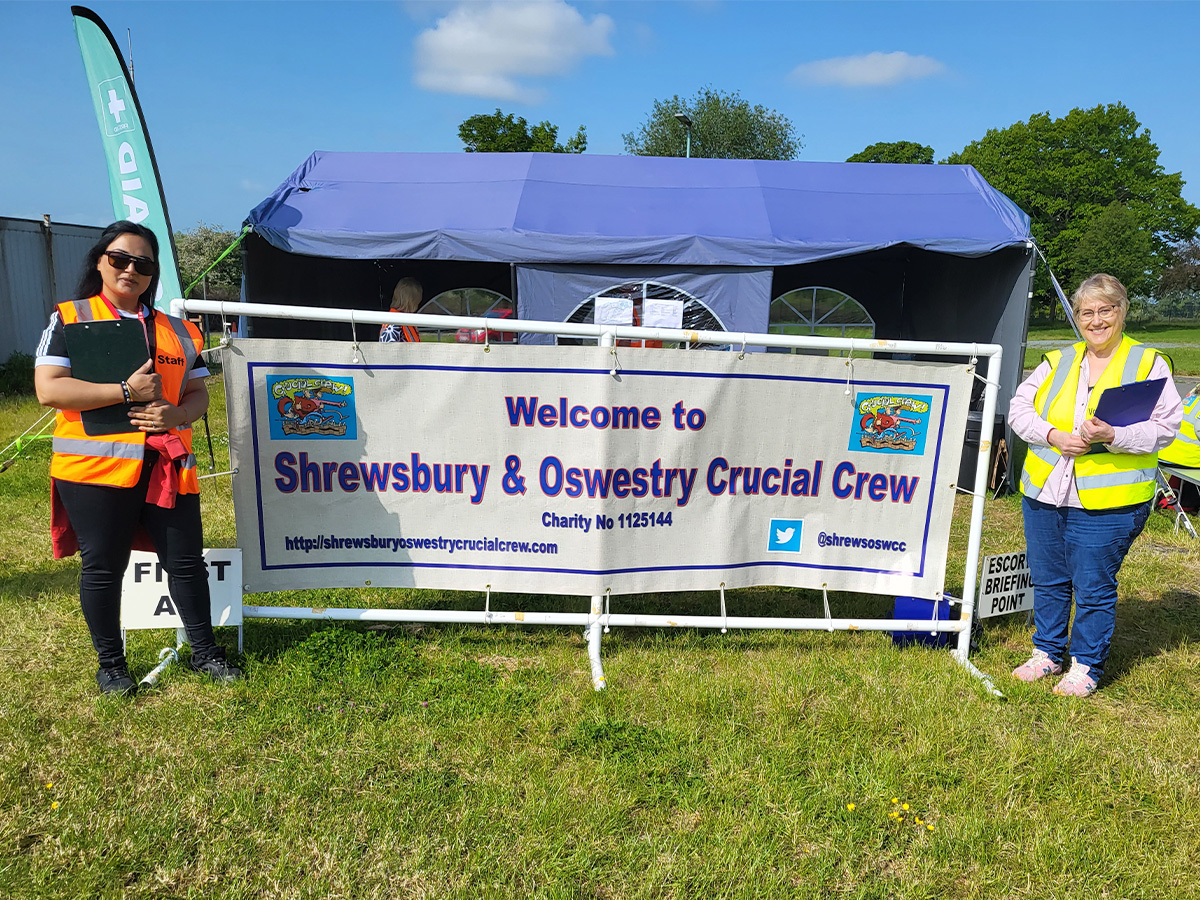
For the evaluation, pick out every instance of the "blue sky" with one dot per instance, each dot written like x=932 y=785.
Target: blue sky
x=236 y=95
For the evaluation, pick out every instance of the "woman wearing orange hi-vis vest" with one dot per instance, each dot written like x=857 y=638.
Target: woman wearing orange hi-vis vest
x=112 y=490
x=1088 y=484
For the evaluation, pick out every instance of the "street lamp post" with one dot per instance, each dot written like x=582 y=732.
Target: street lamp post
x=686 y=123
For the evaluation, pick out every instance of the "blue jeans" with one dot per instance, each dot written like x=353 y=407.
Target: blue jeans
x=1081 y=548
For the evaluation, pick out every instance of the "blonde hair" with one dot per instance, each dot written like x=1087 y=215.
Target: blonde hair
x=407 y=295
x=1101 y=287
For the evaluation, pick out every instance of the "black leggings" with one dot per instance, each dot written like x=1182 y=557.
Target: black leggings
x=105 y=519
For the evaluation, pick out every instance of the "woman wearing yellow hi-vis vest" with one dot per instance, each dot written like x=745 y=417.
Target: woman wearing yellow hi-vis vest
x=1184 y=452
x=1088 y=485
x=105 y=487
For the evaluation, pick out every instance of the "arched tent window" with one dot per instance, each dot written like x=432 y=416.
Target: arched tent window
x=696 y=315
x=821 y=311
x=474 y=302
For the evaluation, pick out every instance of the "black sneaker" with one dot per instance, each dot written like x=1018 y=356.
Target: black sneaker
x=116 y=680
x=218 y=669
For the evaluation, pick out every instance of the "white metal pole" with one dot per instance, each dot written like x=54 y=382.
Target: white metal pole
x=617 y=620
x=986 y=434
x=594 y=630
x=582 y=330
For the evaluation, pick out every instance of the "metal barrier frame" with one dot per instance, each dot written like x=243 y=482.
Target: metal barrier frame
x=600 y=617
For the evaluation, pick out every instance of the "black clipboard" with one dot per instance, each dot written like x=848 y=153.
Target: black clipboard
x=1127 y=404
x=106 y=352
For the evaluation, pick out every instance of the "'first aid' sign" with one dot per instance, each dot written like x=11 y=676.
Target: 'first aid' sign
x=146 y=598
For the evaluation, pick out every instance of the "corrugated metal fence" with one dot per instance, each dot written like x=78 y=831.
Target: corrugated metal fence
x=40 y=265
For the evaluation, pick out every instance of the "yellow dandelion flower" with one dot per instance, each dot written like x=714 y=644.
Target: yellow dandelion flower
x=895 y=799
x=49 y=784
x=904 y=806
x=919 y=822
x=901 y=819
x=930 y=827
x=54 y=805
x=850 y=806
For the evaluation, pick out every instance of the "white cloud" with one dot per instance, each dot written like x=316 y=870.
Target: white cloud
x=483 y=50
x=868 y=70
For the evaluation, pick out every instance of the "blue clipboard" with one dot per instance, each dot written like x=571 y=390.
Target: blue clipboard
x=1127 y=404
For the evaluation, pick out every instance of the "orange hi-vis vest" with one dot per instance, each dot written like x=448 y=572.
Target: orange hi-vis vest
x=116 y=459
x=408 y=333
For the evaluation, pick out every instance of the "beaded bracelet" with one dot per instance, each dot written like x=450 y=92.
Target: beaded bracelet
x=125 y=391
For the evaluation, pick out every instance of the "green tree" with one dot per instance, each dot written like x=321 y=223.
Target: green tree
x=197 y=248
x=1115 y=243
x=894 y=152
x=499 y=132
x=1065 y=172
x=1183 y=274
x=1178 y=291
x=724 y=126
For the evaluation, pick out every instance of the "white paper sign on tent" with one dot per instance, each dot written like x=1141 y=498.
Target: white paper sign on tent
x=614 y=311
x=662 y=313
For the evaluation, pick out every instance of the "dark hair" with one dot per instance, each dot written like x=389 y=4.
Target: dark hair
x=91 y=284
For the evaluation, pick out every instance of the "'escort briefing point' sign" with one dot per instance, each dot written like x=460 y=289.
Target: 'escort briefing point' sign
x=1006 y=585
x=580 y=470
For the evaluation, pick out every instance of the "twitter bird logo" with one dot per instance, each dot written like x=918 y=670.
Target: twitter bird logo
x=785 y=535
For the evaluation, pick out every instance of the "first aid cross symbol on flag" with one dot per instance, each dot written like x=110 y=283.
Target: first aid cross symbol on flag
x=116 y=103
x=116 y=106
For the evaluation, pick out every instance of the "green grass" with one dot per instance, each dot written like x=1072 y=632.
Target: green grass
x=433 y=762
x=1185 y=358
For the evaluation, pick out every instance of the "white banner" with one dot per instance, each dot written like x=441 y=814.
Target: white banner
x=580 y=470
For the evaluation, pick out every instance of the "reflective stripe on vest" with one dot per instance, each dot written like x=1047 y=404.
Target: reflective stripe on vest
x=90 y=447
x=1102 y=480
x=83 y=311
x=1114 y=479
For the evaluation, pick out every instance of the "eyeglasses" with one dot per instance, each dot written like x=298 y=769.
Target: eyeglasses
x=1104 y=312
x=141 y=264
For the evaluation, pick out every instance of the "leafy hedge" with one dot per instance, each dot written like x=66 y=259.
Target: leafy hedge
x=16 y=375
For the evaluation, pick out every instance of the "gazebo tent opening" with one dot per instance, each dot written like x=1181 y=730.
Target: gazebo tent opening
x=898 y=251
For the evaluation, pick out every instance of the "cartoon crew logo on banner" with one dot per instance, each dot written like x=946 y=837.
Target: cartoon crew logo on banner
x=312 y=408
x=887 y=423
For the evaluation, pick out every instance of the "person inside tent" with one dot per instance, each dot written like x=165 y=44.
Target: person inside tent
x=406 y=297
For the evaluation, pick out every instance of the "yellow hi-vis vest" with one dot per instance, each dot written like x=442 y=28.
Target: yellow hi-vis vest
x=1103 y=480
x=1184 y=451
x=116 y=459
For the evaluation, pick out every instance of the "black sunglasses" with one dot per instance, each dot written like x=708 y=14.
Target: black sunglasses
x=120 y=261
